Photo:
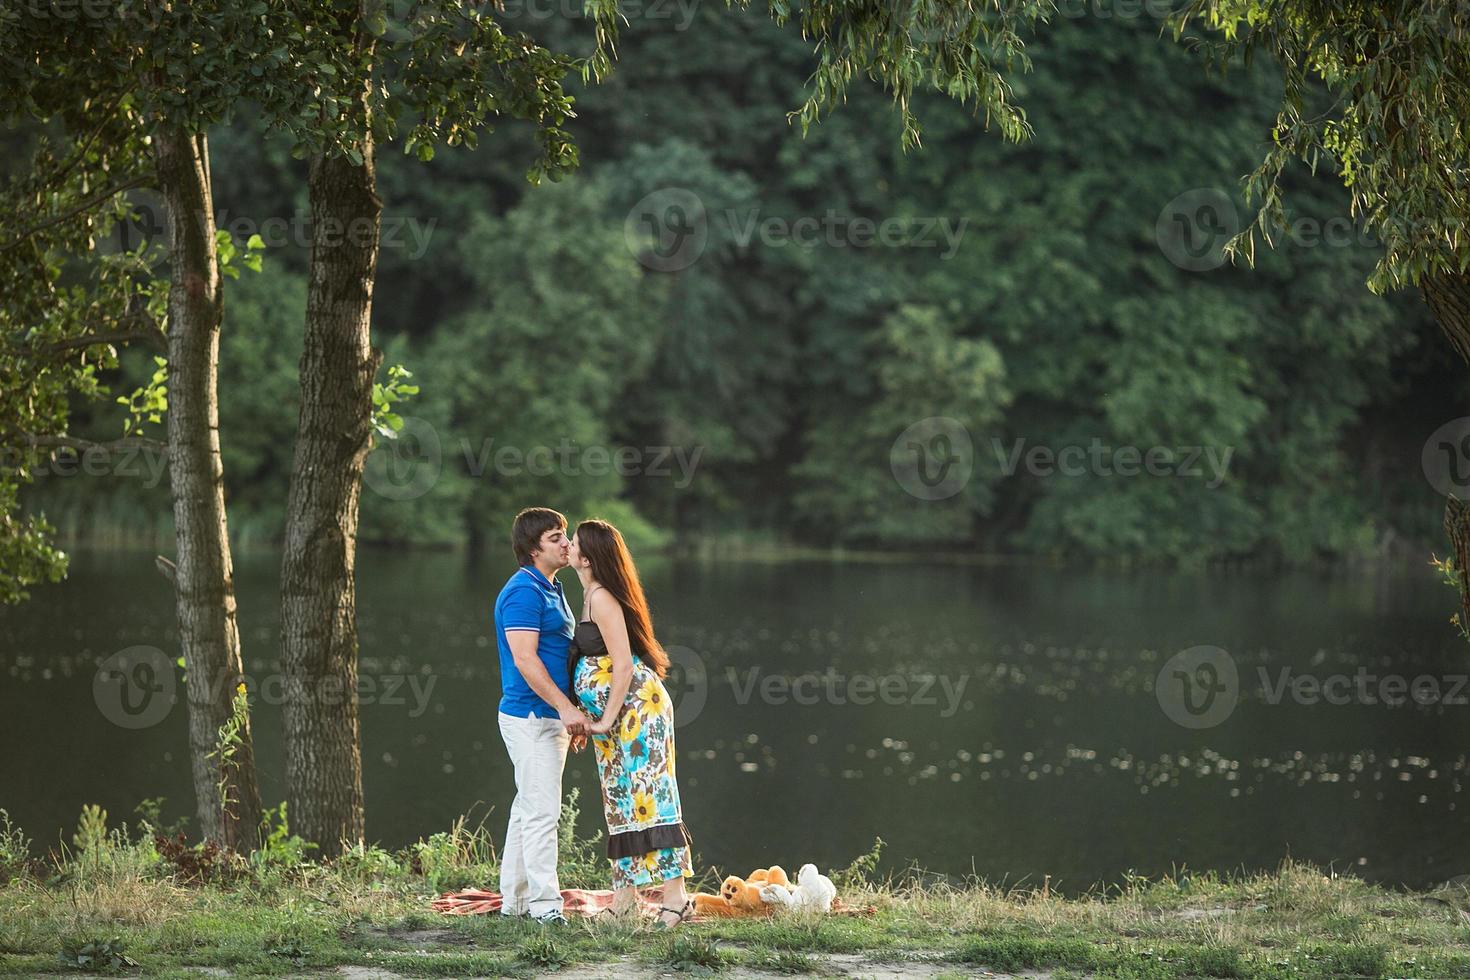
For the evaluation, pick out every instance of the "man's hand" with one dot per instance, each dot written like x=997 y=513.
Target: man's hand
x=603 y=725
x=575 y=721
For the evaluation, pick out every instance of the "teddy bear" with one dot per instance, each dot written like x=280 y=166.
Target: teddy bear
x=774 y=875
x=742 y=896
x=812 y=891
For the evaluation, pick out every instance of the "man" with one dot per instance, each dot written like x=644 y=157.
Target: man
x=533 y=625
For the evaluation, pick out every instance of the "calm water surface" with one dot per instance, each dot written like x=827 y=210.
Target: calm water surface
x=1008 y=725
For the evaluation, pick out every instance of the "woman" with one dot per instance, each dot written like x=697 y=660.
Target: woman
x=617 y=670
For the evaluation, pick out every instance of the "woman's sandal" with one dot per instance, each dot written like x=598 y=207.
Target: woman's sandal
x=684 y=914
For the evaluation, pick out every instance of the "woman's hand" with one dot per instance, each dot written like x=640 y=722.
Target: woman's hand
x=603 y=725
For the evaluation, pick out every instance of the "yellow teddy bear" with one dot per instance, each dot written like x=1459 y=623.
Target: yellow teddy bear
x=742 y=896
x=774 y=875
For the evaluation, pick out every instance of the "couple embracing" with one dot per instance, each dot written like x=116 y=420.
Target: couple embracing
x=565 y=680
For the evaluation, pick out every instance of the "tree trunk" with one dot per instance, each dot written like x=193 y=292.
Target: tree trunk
x=333 y=436
x=204 y=584
x=1448 y=296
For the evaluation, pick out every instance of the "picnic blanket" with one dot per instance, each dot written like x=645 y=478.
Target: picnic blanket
x=575 y=901
x=584 y=902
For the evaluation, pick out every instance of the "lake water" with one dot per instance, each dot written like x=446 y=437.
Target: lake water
x=1001 y=721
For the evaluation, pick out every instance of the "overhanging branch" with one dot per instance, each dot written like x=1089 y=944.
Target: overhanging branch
x=84 y=445
x=154 y=338
x=86 y=205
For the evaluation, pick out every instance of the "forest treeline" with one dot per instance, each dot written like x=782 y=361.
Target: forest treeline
x=1121 y=395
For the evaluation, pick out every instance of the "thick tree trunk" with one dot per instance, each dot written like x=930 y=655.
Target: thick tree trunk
x=1449 y=300
x=204 y=585
x=334 y=434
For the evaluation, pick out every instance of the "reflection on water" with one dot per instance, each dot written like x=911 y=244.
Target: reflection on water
x=996 y=721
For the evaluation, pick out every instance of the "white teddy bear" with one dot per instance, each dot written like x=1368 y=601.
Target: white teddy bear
x=812 y=891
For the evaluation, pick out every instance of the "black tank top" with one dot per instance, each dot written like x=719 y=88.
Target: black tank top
x=587 y=641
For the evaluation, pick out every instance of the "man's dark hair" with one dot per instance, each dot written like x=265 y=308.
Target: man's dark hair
x=530 y=524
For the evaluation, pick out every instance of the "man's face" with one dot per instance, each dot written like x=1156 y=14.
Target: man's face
x=555 y=548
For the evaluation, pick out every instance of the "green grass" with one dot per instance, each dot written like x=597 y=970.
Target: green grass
x=116 y=898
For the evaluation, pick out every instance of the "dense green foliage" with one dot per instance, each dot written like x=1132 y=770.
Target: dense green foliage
x=1396 y=128
x=1035 y=305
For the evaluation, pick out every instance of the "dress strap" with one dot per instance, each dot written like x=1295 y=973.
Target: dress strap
x=587 y=601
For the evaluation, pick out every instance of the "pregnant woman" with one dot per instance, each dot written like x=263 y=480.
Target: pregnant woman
x=617 y=671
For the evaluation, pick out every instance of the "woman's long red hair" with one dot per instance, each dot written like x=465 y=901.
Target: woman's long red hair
x=612 y=568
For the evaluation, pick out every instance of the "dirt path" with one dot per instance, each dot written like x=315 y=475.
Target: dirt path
x=852 y=966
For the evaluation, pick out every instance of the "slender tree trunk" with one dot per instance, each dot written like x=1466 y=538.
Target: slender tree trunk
x=204 y=585
x=334 y=434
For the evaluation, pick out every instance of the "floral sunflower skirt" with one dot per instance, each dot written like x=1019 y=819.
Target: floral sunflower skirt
x=647 y=841
x=651 y=868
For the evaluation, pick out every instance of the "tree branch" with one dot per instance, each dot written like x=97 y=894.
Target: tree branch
x=86 y=205
x=167 y=569
x=154 y=338
x=81 y=445
x=53 y=179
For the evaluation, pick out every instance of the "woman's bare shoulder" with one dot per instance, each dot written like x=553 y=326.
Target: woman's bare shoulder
x=604 y=603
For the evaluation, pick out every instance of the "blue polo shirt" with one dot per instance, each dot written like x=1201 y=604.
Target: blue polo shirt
x=531 y=601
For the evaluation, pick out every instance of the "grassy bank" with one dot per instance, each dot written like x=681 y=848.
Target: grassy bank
x=135 y=901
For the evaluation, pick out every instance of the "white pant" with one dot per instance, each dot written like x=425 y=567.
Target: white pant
x=538 y=751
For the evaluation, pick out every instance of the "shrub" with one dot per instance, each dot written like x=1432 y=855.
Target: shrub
x=461 y=857
x=366 y=863
x=279 y=848
x=15 y=850
x=94 y=954
x=197 y=864
x=107 y=854
x=862 y=867
x=581 y=863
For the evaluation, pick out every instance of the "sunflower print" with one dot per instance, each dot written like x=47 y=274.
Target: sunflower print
x=631 y=727
x=635 y=766
x=603 y=673
x=651 y=697
x=652 y=868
